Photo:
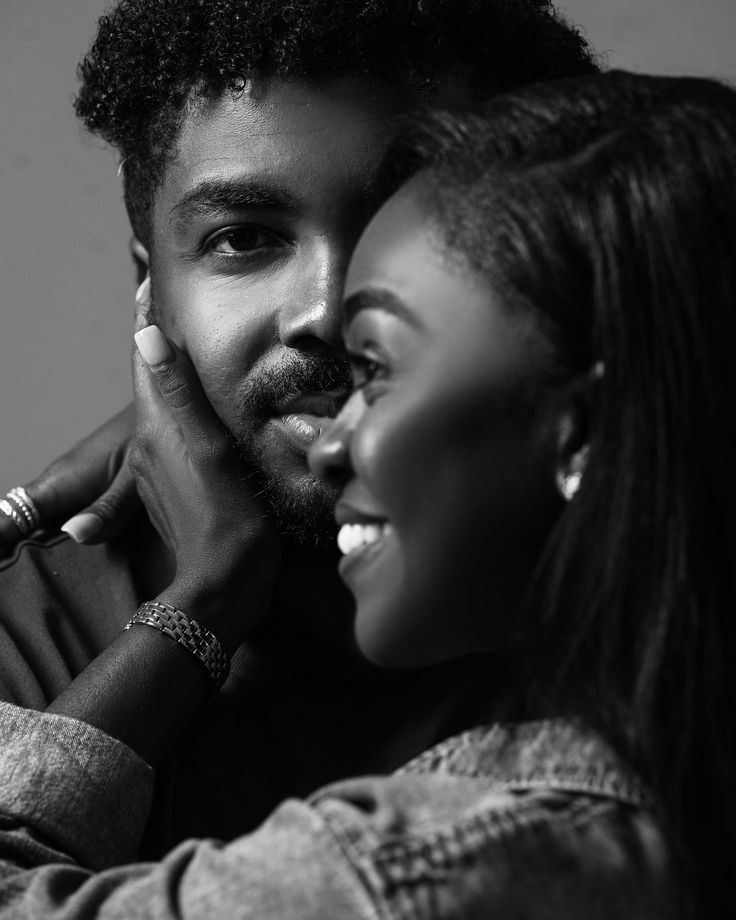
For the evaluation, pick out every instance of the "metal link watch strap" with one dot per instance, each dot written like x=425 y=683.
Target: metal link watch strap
x=196 y=638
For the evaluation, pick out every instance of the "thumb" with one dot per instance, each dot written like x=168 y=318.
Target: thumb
x=108 y=515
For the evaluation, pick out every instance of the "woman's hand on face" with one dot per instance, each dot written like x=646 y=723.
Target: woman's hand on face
x=199 y=494
x=92 y=481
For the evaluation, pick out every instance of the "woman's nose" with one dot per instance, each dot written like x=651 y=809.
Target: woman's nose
x=329 y=455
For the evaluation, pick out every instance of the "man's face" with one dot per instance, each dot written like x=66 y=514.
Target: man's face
x=251 y=234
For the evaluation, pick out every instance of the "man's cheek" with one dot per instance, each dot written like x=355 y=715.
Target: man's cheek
x=221 y=387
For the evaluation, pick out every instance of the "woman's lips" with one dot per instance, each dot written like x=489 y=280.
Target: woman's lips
x=362 y=533
x=360 y=544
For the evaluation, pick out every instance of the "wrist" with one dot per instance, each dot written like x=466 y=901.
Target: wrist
x=189 y=633
x=229 y=619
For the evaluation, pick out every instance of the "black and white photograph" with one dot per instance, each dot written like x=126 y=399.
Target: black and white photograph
x=367 y=443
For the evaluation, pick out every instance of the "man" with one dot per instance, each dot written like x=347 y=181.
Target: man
x=251 y=134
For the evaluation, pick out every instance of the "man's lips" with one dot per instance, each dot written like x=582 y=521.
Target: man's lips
x=304 y=416
x=305 y=428
x=321 y=405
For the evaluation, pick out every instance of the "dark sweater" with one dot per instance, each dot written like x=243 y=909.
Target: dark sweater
x=281 y=727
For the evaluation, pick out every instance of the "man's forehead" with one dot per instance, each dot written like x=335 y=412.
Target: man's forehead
x=281 y=113
x=275 y=141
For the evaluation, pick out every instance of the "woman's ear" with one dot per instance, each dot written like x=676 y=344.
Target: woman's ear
x=139 y=254
x=573 y=432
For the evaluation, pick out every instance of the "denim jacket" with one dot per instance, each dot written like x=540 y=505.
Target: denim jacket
x=529 y=820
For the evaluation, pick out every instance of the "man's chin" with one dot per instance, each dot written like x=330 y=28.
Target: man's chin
x=302 y=505
x=303 y=509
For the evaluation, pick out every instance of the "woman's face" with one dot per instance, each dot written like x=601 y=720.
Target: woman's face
x=445 y=450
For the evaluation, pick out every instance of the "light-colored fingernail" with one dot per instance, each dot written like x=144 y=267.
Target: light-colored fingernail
x=143 y=294
x=82 y=527
x=153 y=346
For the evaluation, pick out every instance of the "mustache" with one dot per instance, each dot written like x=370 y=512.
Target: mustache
x=312 y=372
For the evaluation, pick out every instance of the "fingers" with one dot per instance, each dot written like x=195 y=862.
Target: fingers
x=143 y=304
x=9 y=532
x=168 y=389
x=172 y=389
x=74 y=480
x=47 y=500
x=143 y=387
x=19 y=516
x=106 y=517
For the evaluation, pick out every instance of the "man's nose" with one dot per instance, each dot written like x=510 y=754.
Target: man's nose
x=329 y=456
x=312 y=318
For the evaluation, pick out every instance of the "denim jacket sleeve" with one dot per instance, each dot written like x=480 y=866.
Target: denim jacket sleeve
x=441 y=840
x=72 y=805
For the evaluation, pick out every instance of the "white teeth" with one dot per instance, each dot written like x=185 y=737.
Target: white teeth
x=353 y=536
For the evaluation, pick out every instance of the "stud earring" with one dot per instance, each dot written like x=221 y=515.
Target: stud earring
x=569 y=483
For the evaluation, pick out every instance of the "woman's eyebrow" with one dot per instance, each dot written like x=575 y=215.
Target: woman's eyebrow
x=379 y=299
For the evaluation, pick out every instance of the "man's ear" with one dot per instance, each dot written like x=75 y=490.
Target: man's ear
x=139 y=254
x=574 y=424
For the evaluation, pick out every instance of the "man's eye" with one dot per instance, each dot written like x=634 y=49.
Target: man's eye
x=240 y=241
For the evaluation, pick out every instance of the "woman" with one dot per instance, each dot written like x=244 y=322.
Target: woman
x=539 y=323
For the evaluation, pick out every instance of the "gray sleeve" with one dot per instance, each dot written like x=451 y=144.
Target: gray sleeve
x=69 y=788
x=65 y=825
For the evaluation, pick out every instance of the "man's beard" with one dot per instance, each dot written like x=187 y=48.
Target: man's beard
x=303 y=514
x=303 y=511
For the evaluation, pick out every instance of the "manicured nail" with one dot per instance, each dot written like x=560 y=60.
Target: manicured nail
x=143 y=294
x=82 y=527
x=153 y=346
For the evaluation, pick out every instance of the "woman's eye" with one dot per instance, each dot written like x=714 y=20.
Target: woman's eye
x=367 y=373
x=241 y=241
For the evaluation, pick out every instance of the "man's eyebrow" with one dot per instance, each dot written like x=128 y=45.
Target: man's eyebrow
x=220 y=195
x=379 y=299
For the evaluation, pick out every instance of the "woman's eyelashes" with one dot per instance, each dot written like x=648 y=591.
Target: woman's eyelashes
x=369 y=375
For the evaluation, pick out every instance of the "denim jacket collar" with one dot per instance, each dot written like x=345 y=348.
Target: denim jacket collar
x=556 y=754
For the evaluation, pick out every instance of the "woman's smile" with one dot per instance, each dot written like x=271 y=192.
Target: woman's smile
x=361 y=536
x=362 y=545
x=352 y=537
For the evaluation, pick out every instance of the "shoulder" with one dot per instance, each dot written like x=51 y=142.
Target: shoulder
x=512 y=839
x=60 y=605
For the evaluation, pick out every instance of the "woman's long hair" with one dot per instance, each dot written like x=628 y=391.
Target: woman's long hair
x=607 y=206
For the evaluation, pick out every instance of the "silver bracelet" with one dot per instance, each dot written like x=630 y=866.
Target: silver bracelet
x=195 y=638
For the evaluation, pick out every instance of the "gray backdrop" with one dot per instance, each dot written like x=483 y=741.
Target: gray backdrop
x=66 y=285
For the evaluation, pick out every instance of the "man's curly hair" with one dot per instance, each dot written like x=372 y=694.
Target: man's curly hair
x=151 y=56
